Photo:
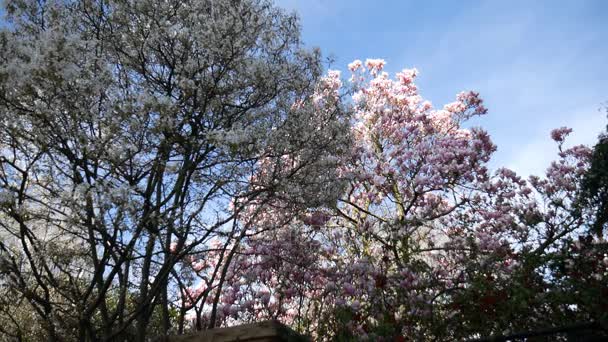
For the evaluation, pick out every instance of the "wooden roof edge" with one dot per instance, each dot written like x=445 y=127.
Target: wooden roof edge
x=245 y=332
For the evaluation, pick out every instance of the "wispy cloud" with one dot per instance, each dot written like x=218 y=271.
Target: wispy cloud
x=535 y=71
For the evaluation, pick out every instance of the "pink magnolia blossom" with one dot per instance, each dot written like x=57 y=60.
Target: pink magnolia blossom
x=559 y=134
x=418 y=197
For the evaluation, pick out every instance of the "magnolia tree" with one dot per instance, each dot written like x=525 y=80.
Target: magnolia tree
x=174 y=166
x=424 y=243
x=134 y=138
x=222 y=282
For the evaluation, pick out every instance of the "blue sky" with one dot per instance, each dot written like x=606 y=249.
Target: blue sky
x=537 y=64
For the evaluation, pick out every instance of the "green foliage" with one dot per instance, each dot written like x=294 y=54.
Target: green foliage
x=594 y=188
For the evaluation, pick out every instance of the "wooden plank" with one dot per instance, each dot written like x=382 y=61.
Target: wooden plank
x=268 y=331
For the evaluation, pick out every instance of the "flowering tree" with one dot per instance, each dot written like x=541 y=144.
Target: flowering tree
x=227 y=284
x=167 y=166
x=425 y=243
x=126 y=129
